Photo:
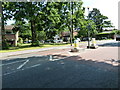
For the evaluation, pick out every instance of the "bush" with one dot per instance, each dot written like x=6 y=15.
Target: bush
x=19 y=44
x=36 y=43
x=20 y=40
x=5 y=45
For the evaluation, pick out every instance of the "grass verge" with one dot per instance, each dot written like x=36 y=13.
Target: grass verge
x=29 y=47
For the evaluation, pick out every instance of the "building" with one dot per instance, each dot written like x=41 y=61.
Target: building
x=66 y=35
x=11 y=35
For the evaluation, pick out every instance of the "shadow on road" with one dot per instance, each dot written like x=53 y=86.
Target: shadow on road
x=70 y=72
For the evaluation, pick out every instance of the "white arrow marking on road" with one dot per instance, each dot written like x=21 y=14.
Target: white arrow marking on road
x=23 y=64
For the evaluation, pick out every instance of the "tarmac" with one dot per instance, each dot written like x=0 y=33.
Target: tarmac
x=95 y=68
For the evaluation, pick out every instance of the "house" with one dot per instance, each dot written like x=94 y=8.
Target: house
x=11 y=35
x=66 y=35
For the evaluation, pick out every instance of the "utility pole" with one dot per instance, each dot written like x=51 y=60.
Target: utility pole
x=88 y=30
x=71 y=23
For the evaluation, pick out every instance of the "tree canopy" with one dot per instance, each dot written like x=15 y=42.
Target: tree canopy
x=52 y=18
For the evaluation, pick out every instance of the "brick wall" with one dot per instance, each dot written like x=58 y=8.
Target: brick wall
x=10 y=36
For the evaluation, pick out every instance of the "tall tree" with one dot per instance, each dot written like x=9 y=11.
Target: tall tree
x=99 y=19
x=51 y=19
x=73 y=14
x=22 y=11
x=4 y=16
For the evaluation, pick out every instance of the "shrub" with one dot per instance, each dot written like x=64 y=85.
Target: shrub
x=19 y=44
x=20 y=40
x=5 y=45
x=36 y=43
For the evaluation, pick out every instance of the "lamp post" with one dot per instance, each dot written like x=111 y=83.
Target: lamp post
x=88 y=27
x=71 y=22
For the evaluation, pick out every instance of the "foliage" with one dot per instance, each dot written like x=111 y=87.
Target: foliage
x=36 y=43
x=25 y=32
x=39 y=20
x=88 y=28
x=99 y=19
x=41 y=35
x=116 y=32
x=20 y=40
x=5 y=45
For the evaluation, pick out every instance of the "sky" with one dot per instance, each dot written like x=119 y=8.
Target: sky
x=108 y=8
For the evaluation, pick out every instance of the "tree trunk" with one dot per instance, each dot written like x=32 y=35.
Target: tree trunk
x=2 y=29
x=34 y=36
x=72 y=23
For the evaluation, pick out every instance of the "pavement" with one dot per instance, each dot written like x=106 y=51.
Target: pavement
x=82 y=45
x=10 y=54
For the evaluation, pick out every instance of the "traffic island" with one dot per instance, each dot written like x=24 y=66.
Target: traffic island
x=93 y=45
x=76 y=46
x=74 y=50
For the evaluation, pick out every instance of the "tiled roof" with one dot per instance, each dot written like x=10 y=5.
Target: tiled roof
x=9 y=27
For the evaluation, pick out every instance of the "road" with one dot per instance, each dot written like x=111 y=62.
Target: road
x=63 y=69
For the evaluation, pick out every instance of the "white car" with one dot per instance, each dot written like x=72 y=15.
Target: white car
x=58 y=41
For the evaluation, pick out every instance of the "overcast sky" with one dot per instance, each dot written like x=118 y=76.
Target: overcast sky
x=107 y=7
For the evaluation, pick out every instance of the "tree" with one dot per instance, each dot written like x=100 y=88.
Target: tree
x=4 y=18
x=25 y=31
x=51 y=19
x=41 y=35
x=99 y=19
x=21 y=11
x=72 y=16
x=87 y=28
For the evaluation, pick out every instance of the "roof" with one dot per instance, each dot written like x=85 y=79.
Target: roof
x=9 y=27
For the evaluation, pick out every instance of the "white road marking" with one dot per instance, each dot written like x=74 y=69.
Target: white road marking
x=50 y=58
x=21 y=69
x=23 y=64
x=12 y=62
x=32 y=66
x=18 y=69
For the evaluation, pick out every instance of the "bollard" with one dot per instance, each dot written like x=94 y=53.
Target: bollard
x=76 y=44
x=50 y=58
x=93 y=42
x=93 y=45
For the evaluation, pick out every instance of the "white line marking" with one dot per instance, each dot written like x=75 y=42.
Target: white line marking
x=8 y=73
x=21 y=69
x=23 y=64
x=12 y=62
x=29 y=67
x=32 y=66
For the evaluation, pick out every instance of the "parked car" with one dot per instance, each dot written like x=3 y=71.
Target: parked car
x=117 y=37
x=104 y=37
x=49 y=41
x=58 y=41
x=85 y=39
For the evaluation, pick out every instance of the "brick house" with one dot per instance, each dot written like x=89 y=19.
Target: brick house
x=66 y=35
x=11 y=35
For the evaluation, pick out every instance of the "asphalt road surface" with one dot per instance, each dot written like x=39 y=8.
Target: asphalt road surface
x=40 y=72
x=47 y=71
